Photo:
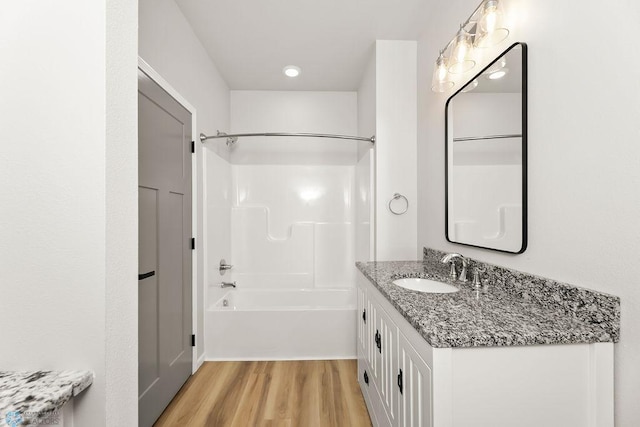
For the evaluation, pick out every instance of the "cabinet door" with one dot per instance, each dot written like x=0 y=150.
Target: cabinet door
x=362 y=320
x=413 y=382
x=362 y=340
x=371 y=348
x=387 y=352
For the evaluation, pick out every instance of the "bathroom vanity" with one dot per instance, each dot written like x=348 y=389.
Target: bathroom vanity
x=523 y=351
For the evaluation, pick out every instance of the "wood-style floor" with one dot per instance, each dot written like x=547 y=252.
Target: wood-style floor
x=316 y=393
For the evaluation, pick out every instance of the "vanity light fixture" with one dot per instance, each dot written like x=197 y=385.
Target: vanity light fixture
x=291 y=71
x=441 y=80
x=490 y=27
x=484 y=28
x=461 y=61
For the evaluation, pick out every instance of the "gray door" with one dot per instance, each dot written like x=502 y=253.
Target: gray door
x=164 y=280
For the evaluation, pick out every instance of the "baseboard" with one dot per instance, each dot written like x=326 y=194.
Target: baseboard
x=275 y=359
x=200 y=361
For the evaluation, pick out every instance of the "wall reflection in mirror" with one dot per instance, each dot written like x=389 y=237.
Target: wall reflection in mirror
x=485 y=160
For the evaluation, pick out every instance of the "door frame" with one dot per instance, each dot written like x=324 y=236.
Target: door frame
x=157 y=78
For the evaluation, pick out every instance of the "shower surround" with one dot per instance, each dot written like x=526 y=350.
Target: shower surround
x=294 y=214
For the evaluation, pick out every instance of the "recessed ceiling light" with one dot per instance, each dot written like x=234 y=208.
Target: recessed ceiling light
x=291 y=71
x=496 y=66
x=498 y=74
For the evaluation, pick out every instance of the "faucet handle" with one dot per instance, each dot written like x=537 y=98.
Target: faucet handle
x=463 y=273
x=476 y=276
x=452 y=270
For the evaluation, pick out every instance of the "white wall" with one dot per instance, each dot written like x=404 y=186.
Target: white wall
x=396 y=127
x=217 y=235
x=584 y=203
x=293 y=111
x=365 y=168
x=168 y=44
x=121 y=341
x=68 y=217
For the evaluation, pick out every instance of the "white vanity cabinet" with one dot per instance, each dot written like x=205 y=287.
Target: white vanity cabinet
x=397 y=378
x=409 y=383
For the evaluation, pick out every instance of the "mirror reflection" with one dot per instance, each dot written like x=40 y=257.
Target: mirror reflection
x=486 y=157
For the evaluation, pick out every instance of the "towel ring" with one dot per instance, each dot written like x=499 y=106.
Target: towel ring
x=397 y=196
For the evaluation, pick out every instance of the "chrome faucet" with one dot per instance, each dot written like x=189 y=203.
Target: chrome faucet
x=451 y=258
x=228 y=284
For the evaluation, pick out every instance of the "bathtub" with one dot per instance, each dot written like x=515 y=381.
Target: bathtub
x=282 y=324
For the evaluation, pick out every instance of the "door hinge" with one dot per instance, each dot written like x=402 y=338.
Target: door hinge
x=193 y=340
x=193 y=243
x=193 y=146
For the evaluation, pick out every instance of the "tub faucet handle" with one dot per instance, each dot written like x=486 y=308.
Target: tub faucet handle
x=224 y=266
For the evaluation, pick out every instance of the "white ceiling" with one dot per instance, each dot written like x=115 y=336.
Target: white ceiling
x=250 y=41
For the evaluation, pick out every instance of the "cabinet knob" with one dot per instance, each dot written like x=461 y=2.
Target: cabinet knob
x=378 y=339
x=366 y=378
x=364 y=316
x=400 y=381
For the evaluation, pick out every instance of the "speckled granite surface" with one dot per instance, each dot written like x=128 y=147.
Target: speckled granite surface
x=514 y=309
x=33 y=397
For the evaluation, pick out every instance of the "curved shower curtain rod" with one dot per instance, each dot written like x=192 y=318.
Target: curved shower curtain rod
x=232 y=138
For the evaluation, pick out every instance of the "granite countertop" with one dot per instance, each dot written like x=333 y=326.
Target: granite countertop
x=513 y=309
x=34 y=397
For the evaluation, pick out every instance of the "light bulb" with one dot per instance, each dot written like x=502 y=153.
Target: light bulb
x=441 y=81
x=442 y=72
x=490 y=28
x=461 y=54
x=490 y=18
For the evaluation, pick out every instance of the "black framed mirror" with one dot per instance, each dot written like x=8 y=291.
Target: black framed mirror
x=486 y=157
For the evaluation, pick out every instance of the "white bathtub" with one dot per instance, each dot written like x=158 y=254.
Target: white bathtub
x=282 y=324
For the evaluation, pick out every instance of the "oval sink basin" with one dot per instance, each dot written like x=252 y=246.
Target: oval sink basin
x=425 y=285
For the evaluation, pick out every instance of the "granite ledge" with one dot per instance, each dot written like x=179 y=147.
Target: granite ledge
x=495 y=315
x=585 y=304
x=39 y=394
